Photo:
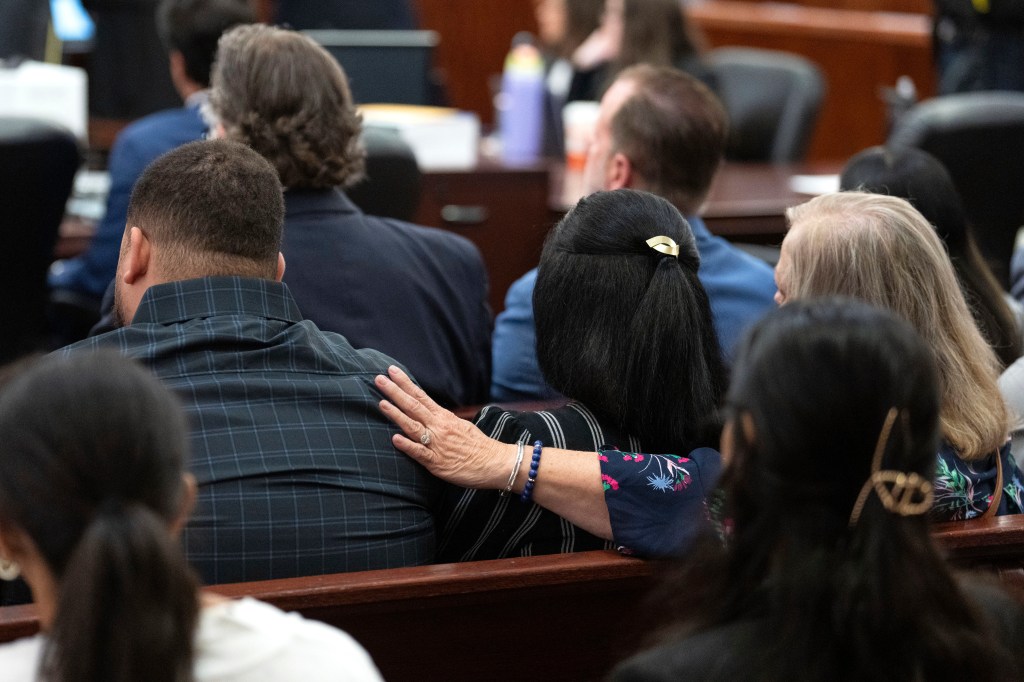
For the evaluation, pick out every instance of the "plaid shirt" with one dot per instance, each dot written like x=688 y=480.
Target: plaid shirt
x=297 y=474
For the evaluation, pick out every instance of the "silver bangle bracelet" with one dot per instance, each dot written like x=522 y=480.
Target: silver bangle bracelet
x=515 y=470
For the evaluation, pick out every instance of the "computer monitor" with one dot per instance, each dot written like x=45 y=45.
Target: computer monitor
x=383 y=66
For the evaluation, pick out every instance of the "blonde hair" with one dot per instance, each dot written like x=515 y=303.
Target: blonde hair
x=879 y=249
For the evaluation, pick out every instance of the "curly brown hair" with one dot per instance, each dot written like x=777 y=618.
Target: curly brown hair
x=286 y=97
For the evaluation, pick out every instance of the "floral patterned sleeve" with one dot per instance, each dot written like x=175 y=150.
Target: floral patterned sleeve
x=964 y=490
x=657 y=503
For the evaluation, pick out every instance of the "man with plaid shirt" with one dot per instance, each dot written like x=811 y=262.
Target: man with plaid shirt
x=297 y=474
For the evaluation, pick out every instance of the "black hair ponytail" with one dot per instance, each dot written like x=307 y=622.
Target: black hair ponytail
x=128 y=604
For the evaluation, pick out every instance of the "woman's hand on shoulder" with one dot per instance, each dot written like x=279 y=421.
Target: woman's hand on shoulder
x=449 y=447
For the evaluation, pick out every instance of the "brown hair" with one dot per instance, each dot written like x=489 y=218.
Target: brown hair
x=881 y=250
x=214 y=208
x=286 y=97
x=655 y=32
x=673 y=132
x=582 y=17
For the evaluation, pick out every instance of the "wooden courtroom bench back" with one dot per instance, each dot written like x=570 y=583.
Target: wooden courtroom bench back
x=995 y=545
x=558 y=617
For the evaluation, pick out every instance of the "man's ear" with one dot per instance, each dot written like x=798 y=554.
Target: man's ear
x=137 y=256
x=620 y=172
x=280 y=267
x=189 y=490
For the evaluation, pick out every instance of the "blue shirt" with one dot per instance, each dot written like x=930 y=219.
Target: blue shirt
x=740 y=289
x=297 y=474
x=135 y=148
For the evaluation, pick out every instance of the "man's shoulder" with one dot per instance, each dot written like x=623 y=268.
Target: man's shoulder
x=520 y=293
x=162 y=130
x=724 y=261
x=347 y=356
x=433 y=238
x=163 y=120
x=116 y=338
x=295 y=346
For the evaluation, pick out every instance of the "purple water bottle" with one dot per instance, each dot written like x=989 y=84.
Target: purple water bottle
x=521 y=102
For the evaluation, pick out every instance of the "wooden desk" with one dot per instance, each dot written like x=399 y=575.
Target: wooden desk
x=748 y=201
x=504 y=211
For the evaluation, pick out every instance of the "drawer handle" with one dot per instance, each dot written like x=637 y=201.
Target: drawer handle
x=454 y=214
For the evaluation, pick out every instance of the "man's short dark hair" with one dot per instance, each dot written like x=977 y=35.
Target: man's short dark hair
x=673 y=131
x=286 y=97
x=193 y=27
x=213 y=208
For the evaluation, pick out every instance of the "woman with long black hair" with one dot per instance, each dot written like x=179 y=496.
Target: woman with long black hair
x=829 y=572
x=93 y=492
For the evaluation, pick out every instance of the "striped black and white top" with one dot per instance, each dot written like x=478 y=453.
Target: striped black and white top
x=480 y=524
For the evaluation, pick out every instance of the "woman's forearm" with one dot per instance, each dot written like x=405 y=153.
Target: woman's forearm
x=569 y=484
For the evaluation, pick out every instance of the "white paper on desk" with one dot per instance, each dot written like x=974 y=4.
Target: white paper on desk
x=814 y=184
x=440 y=138
x=47 y=91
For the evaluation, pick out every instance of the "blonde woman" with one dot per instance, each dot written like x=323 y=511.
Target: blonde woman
x=879 y=249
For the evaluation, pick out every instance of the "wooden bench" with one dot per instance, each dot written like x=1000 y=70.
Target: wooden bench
x=558 y=617
x=995 y=545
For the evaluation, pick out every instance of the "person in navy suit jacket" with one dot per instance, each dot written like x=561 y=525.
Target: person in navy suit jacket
x=414 y=293
x=190 y=29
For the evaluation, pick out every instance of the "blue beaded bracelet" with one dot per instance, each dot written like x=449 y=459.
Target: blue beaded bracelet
x=531 y=480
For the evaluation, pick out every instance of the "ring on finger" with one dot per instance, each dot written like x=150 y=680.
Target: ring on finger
x=426 y=437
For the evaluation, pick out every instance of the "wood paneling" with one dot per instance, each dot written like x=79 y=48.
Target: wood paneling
x=860 y=53
x=475 y=37
x=862 y=46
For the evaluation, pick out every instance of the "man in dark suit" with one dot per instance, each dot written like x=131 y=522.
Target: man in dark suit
x=190 y=29
x=414 y=293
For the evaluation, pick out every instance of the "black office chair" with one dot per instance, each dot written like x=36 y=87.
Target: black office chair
x=979 y=137
x=392 y=185
x=38 y=161
x=773 y=100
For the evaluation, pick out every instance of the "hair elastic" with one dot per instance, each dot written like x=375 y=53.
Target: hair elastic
x=665 y=245
x=901 y=492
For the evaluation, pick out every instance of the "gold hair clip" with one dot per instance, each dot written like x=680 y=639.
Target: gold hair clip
x=903 y=493
x=664 y=245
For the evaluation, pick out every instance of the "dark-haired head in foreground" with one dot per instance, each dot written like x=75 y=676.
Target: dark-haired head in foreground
x=92 y=457
x=625 y=329
x=827 y=592
x=920 y=178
